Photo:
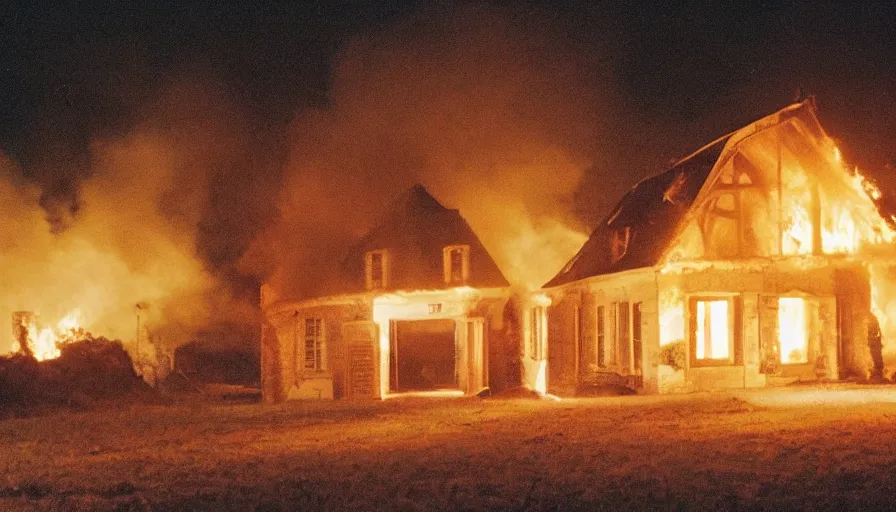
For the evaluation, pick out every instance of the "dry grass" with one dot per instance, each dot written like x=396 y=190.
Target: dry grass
x=778 y=449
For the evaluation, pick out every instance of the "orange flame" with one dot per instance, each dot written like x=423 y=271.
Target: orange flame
x=848 y=220
x=671 y=316
x=46 y=342
x=792 y=332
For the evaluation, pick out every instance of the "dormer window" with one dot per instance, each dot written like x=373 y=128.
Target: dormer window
x=456 y=259
x=619 y=243
x=376 y=269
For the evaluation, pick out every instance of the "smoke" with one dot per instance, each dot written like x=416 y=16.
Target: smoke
x=162 y=181
x=491 y=110
x=133 y=237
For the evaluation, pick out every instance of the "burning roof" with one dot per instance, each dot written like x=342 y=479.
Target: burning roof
x=777 y=187
x=651 y=210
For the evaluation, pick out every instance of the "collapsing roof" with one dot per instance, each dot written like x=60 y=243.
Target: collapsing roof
x=774 y=187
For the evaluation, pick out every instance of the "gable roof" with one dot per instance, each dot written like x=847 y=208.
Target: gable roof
x=415 y=230
x=654 y=209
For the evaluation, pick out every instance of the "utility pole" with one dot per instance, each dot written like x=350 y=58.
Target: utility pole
x=138 y=308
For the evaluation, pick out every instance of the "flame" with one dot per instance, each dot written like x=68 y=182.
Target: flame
x=671 y=316
x=882 y=278
x=792 y=333
x=849 y=217
x=45 y=343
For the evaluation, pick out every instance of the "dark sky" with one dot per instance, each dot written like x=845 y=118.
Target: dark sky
x=672 y=79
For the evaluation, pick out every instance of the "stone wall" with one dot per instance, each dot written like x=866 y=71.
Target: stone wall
x=837 y=302
x=573 y=359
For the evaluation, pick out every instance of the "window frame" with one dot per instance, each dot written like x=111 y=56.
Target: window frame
x=447 y=264
x=735 y=340
x=385 y=267
x=611 y=356
x=624 y=334
x=807 y=329
x=637 y=337
x=318 y=346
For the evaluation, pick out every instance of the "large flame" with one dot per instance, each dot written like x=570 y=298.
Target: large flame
x=45 y=343
x=792 y=332
x=849 y=217
x=671 y=316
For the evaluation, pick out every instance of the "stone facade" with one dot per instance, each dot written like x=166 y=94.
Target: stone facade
x=835 y=293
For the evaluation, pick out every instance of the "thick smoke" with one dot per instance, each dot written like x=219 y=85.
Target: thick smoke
x=155 y=199
x=490 y=111
x=133 y=237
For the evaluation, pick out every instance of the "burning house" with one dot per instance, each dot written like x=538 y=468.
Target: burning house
x=756 y=260
x=417 y=305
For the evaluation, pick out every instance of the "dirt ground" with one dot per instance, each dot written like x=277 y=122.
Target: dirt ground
x=795 y=448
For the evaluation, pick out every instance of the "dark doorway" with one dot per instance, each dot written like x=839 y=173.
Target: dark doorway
x=424 y=355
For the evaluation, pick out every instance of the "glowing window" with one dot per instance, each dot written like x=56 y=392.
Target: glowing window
x=713 y=331
x=314 y=345
x=793 y=336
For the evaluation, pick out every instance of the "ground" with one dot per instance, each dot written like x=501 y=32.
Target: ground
x=793 y=448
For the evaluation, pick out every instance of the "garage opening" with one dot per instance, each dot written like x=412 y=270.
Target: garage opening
x=423 y=356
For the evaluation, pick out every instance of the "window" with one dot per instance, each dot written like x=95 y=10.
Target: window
x=623 y=338
x=577 y=330
x=713 y=331
x=601 y=337
x=537 y=333
x=377 y=269
x=636 y=338
x=456 y=260
x=610 y=358
x=619 y=243
x=314 y=345
x=793 y=335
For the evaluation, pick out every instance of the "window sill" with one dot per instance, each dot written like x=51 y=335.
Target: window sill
x=714 y=363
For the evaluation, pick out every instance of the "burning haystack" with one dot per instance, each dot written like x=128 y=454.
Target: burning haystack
x=87 y=368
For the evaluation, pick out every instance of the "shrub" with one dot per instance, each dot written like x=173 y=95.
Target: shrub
x=673 y=355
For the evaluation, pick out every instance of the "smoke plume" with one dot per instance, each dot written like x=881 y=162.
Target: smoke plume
x=133 y=237
x=491 y=112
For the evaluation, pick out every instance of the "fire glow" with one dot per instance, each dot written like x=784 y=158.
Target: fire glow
x=848 y=217
x=792 y=330
x=44 y=343
x=671 y=316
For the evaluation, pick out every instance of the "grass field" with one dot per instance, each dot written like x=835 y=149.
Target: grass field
x=796 y=448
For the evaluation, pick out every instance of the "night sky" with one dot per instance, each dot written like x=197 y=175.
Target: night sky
x=664 y=81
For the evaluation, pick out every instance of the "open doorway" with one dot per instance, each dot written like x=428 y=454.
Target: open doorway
x=423 y=355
